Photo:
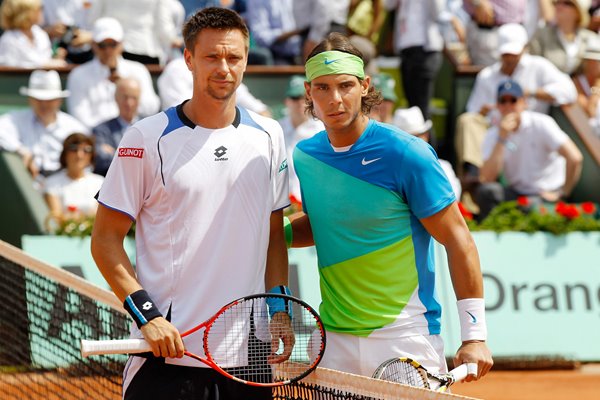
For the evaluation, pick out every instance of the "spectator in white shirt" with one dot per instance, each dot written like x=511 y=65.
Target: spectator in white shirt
x=70 y=192
x=543 y=85
x=175 y=86
x=37 y=133
x=92 y=85
x=536 y=158
x=24 y=43
x=147 y=25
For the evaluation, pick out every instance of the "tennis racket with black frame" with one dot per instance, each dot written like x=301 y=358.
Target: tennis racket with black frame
x=409 y=372
x=244 y=342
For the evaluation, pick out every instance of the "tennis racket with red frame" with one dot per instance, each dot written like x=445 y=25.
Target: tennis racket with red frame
x=409 y=372
x=246 y=342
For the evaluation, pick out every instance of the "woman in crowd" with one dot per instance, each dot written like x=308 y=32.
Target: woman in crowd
x=24 y=43
x=564 y=41
x=70 y=192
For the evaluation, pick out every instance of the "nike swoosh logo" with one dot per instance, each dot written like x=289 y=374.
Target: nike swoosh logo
x=473 y=320
x=327 y=62
x=365 y=162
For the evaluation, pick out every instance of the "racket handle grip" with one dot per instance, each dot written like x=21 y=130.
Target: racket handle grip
x=125 y=346
x=462 y=371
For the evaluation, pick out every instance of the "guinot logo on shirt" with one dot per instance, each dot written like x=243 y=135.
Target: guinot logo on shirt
x=130 y=152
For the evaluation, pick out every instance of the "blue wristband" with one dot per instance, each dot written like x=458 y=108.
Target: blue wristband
x=277 y=304
x=141 y=307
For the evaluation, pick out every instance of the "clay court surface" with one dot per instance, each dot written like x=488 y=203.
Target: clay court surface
x=580 y=384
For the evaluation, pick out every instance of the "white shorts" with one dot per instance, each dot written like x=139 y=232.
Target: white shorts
x=362 y=355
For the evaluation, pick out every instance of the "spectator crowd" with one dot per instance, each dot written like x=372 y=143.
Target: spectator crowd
x=531 y=54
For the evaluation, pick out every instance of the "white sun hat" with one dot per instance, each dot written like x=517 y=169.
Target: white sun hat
x=411 y=120
x=44 y=85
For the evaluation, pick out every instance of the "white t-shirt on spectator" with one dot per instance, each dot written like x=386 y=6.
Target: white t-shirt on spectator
x=77 y=193
x=532 y=73
x=16 y=50
x=147 y=24
x=531 y=160
x=92 y=98
x=21 y=130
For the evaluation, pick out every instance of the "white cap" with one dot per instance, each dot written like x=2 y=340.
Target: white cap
x=44 y=85
x=411 y=120
x=512 y=38
x=107 y=28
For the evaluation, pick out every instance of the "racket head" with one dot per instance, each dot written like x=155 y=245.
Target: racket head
x=403 y=370
x=243 y=340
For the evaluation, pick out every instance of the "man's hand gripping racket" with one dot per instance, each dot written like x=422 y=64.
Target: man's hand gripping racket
x=247 y=340
x=409 y=372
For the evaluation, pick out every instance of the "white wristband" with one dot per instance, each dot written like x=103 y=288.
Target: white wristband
x=471 y=313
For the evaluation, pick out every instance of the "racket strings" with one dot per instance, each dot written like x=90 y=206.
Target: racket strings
x=244 y=341
x=405 y=373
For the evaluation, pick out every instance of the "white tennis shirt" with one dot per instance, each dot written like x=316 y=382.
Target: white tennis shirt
x=201 y=199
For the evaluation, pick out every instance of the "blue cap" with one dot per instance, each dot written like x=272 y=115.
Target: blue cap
x=510 y=88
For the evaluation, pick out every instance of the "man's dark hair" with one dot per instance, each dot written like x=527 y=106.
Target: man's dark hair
x=338 y=42
x=213 y=18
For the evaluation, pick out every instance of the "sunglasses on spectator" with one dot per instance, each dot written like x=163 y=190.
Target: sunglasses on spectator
x=75 y=148
x=106 y=45
x=505 y=100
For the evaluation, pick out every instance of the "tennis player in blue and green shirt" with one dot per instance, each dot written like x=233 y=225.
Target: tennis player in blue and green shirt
x=373 y=198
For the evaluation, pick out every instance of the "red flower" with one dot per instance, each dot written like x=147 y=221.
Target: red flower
x=72 y=208
x=294 y=200
x=464 y=212
x=543 y=210
x=588 y=207
x=523 y=201
x=560 y=208
x=571 y=212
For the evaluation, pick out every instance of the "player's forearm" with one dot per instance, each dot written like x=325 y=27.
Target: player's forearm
x=116 y=269
x=114 y=264
x=465 y=270
x=277 y=260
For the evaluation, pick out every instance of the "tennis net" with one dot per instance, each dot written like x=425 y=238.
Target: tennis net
x=46 y=311
x=326 y=384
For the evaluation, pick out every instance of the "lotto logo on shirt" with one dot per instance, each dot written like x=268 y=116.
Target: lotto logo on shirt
x=131 y=152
